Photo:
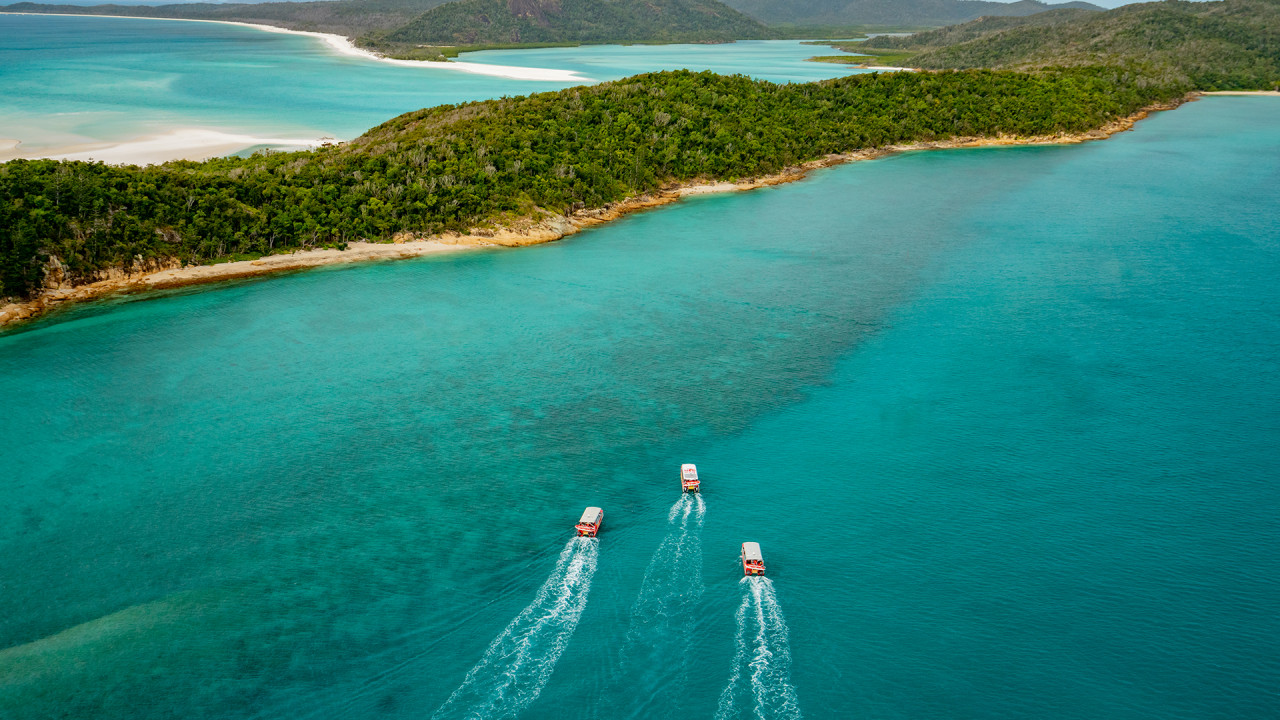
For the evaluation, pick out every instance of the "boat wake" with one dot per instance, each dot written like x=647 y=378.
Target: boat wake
x=663 y=613
x=761 y=674
x=515 y=668
x=673 y=580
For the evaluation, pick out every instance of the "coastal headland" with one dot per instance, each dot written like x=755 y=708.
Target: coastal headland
x=516 y=234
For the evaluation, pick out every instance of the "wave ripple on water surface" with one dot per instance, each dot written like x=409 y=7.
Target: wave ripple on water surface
x=656 y=653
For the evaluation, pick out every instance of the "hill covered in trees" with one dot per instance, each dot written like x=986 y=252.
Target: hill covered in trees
x=888 y=13
x=1227 y=45
x=477 y=22
x=455 y=167
x=397 y=26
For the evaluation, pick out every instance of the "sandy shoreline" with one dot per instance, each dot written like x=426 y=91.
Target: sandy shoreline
x=343 y=46
x=195 y=143
x=176 y=144
x=528 y=232
x=1260 y=93
x=176 y=277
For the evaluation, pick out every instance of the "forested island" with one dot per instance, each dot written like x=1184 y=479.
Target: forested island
x=497 y=162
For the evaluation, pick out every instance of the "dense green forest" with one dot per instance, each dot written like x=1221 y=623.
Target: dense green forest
x=397 y=27
x=1228 y=45
x=473 y=22
x=356 y=18
x=459 y=166
x=888 y=13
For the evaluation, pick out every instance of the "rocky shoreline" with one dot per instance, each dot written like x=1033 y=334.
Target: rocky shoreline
x=143 y=278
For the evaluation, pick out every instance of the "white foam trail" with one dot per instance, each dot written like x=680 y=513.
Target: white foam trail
x=682 y=505
x=764 y=649
x=673 y=580
x=726 y=708
x=517 y=664
x=656 y=654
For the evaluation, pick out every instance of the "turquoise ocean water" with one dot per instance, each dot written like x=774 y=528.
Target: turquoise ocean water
x=72 y=80
x=1004 y=422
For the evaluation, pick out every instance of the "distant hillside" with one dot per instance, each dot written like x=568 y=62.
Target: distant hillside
x=888 y=13
x=396 y=26
x=473 y=22
x=345 y=17
x=1233 y=44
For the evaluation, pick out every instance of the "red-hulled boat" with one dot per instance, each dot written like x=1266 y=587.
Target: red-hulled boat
x=589 y=525
x=689 y=477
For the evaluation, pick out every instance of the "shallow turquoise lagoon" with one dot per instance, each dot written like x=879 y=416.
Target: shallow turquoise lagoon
x=73 y=80
x=1004 y=422
x=774 y=60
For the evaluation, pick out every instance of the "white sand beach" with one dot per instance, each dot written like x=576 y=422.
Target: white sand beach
x=188 y=143
x=176 y=144
x=709 y=188
x=1261 y=93
x=344 y=46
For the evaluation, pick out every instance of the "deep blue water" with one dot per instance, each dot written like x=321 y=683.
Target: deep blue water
x=1004 y=422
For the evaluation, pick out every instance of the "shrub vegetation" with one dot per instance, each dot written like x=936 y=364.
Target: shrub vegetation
x=456 y=166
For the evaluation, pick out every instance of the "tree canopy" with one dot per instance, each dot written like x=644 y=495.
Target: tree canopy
x=455 y=167
x=1227 y=45
x=889 y=13
x=477 y=22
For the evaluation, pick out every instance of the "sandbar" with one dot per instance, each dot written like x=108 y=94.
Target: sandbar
x=344 y=46
x=176 y=144
x=205 y=143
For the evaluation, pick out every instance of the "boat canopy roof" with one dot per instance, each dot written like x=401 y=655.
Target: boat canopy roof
x=592 y=515
x=751 y=551
x=689 y=471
